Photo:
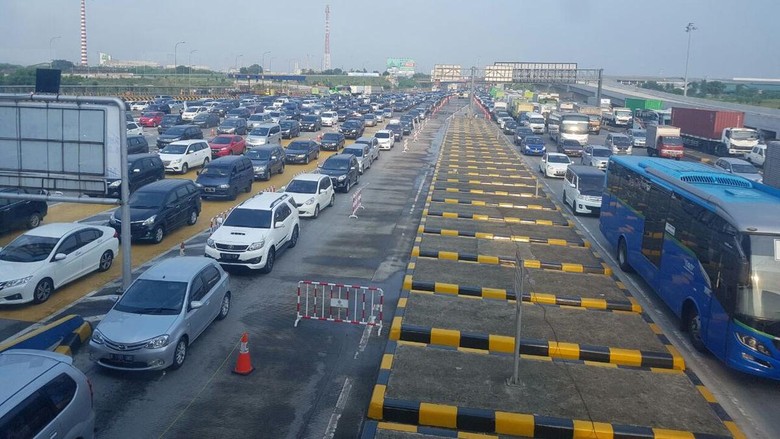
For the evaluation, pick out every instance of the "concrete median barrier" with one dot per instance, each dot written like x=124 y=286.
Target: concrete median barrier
x=65 y=336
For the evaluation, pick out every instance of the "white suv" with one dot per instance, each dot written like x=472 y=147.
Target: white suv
x=255 y=231
x=385 y=138
x=182 y=155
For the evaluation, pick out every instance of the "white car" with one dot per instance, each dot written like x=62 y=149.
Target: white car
x=176 y=106
x=311 y=193
x=554 y=164
x=41 y=260
x=139 y=105
x=362 y=153
x=373 y=147
x=255 y=231
x=134 y=129
x=385 y=138
x=329 y=118
x=182 y=155
x=191 y=112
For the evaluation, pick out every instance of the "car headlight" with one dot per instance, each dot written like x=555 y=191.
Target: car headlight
x=149 y=221
x=300 y=156
x=309 y=201
x=15 y=282
x=342 y=177
x=158 y=342
x=751 y=343
x=256 y=245
x=210 y=243
x=175 y=161
x=224 y=186
x=259 y=168
x=116 y=183
x=97 y=337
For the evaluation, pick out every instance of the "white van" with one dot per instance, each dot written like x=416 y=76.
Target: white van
x=582 y=189
x=757 y=155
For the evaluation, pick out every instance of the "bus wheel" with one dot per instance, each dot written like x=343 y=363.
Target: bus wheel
x=622 y=256
x=693 y=325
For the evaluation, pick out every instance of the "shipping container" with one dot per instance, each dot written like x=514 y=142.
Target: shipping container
x=707 y=124
x=644 y=104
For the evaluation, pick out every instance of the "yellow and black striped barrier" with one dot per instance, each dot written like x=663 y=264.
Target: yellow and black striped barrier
x=484 y=192
x=497 y=237
x=507 y=219
x=75 y=340
x=480 y=174
x=481 y=182
x=631 y=305
x=481 y=203
x=488 y=168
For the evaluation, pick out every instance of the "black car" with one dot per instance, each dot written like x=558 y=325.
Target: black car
x=241 y=112
x=160 y=207
x=397 y=129
x=137 y=145
x=571 y=148
x=332 y=141
x=179 y=132
x=342 y=170
x=267 y=160
x=521 y=133
x=510 y=127
x=352 y=129
x=233 y=125
x=290 y=128
x=170 y=120
x=142 y=170
x=16 y=213
x=206 y=120
x=302 y=151
x=311 y=122
x=162 y=108
x=342 y=114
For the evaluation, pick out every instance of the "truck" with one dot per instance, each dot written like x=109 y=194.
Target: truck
x=643 y=104
x=520 y=107
x=499 y=106
x=594 y=117
x=618 y=117
x=664 y=141
x=715 y=132
x=360 y=89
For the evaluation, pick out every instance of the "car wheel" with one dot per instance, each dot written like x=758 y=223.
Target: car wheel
x=233 y=194
x=693 y=326
x=348 y=186
x=43 y=291
x=179 y=354
x=224 y=308
x=316 y=211
x=184 y=168
x=294 y=237
x=281 y=170
x=307 y=159
x=158 y=234
x=205 y=161
x=34 y=220
x=269 y=261
x=622 y=256
x=193 y=218
x=332 y=200
x=106 y=259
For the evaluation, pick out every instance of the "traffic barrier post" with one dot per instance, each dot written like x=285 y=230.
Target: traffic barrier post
x=357 y=202
x=340 y=303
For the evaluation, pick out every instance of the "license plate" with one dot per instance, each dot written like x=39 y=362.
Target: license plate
x=122 y=358
x=209 y=189
x=228 y=256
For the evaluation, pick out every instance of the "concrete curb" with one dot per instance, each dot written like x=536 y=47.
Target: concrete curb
x=507 y=219
x=492 y=236
x=69 y=331
x=75 y=340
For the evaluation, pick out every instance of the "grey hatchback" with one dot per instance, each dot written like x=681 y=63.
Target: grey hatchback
x=43 y=395
x=152 y=324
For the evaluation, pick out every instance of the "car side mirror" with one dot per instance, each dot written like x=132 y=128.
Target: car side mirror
x=195 y=304
x=572 y=185
x=353 y=168
x=60 y=256
x=322 y=191
x=190 y=152
x=278 y=224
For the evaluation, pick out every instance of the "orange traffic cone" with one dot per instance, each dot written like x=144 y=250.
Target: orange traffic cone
x=244 y=363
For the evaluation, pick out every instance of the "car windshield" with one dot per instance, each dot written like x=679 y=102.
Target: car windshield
x=621 y=141
x=331 y=136
x=534 y=140
x=231 y=122
x=219 y=140
x=285 y=124
x=309 y=118
x=336 y=165
x=201 y=116
x=743 y=168
x=173 y=148
x=601 y=152
x=298 y=146
x=558 y=159
x=743 y=135
x=259 y=132
x=146 y=200
x=250 y=218
x=255 y=117
x=639 y=133
x=591 y=185
x=393 y=126
x=759 y=300
x=302 y=187
x=571 y=144
x=28 y=248
x=536 y=120
x=171 y=118
x=147 y=296
x=381 y=135
x=215 y=171
x=357 y=152
x=258 y=154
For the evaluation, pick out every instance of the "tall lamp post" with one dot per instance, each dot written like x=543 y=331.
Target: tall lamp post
x=236 y=64
x=689 y=30
x=175 y=48
x=262 y=64
x=51 y=52
x=189 y=64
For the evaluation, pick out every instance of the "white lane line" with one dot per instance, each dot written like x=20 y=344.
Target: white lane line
x=363 y=341
x=419 y=190
x=338 y=410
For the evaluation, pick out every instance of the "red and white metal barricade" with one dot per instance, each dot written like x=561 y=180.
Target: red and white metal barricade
x=341 y=303
x=357 y=202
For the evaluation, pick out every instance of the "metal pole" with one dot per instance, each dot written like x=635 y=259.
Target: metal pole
x=175 y=47
x=519 y=288
x=598 y=89
x=51 y=52
x=471 y=93
x=189 y=63
x=688 y=29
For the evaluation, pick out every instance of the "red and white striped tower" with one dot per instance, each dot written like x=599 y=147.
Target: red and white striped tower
x=326 y=57
x=84 y=33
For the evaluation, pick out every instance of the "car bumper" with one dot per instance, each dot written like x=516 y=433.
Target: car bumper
x=587 y=207
x=214 y=192
x=250 y=259
x=330 y=146
x=339 y=184
x=385 y=146
x=306 y=211
x=219 y=153
x=531 y=151
x=18 y=294
x=139 y=359
x=173 y=168
x=138 y=231
x=291 y=159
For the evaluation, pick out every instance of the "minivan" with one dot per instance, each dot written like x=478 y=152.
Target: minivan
x=179 y=132
x=234 y=125
x=168 y=121
x=160 y=207
x=44 y=396
x=137 y=145
x=582 y=189
x=265 y=134
x=225 y=177
x=142 y=169
x=267 y=160
x=619 y=143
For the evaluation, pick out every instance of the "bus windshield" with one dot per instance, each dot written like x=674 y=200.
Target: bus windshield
x=761 y=299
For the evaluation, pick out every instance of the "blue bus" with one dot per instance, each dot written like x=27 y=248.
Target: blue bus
x=708 y=243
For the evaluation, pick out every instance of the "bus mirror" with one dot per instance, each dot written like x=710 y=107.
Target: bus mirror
x=744 y=273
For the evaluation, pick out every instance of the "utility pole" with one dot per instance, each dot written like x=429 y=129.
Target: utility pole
x=175 y=47
x=689 y=30
x=598 y=89
x=471 y=92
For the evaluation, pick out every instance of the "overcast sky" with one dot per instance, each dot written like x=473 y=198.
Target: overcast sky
x=734 y=38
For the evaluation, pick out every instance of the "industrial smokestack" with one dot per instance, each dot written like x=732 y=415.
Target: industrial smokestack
x=83 y=33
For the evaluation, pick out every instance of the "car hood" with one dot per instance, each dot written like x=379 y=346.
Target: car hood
x=170 y=157
x=258 y=162
x=127 y=328
x=333 y=172
x=300 y=198
x=169 y=137
x=238 y=235
x=558 y=165
x=295 y=151
x=137 y=214
x=212 y=180
x=17 y=270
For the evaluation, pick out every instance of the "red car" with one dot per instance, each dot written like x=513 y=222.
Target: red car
x=150 y=119
x=227 y=144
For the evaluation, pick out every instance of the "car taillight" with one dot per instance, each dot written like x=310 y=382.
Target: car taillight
x=116 y=234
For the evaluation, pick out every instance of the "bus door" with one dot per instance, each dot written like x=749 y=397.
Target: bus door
x=724 y=273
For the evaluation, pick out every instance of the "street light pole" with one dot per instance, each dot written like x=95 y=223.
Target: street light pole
x=236 y=64
x=51 y=40
x=262 y=65
x=175 y=47
x=189 y=63
x=689 y=30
